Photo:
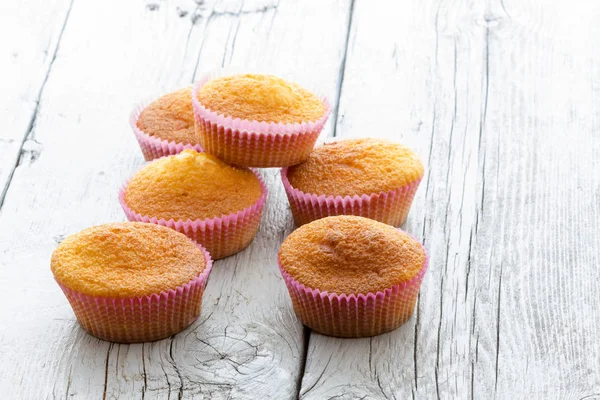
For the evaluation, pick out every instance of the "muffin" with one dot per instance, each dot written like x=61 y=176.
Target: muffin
x=213 y=203
x=257 y=120
x=371 y=178
x=351 y=276
x=132 y=282
x=166 y=125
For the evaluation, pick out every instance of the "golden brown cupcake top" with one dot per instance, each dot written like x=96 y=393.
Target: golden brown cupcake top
x=126 y=259
x=190 y=186
x=260 y=98
x=170 y=117
x=356 y=167
x=348 y=254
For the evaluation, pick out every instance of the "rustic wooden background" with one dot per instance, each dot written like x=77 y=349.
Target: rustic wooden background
x=500 y=98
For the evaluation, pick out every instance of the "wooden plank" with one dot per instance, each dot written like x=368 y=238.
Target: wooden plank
x=409 y=78
x=27 y=63
x=247 y=342
x=499 y=100
x=536 y=252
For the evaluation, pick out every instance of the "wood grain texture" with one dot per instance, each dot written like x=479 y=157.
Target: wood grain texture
x=247 y=342
x=31 y=38
x=499 y=99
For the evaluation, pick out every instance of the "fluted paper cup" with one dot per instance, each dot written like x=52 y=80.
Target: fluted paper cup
x=144 y=318
x=253 y=143
x=354 y=315
x=390 y=207
x=221 y=236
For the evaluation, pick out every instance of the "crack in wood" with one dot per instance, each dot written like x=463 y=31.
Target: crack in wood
x=469 y=263
x=31 y=150
x=145 y=385
x=118 y=357
x=483 y=116
x=415 y=342
x=174 y=365
x=162 y=367
x=439 y=336
x=316 y=380
x=110 y=346
x=472 y=387
x=194 y=17
x=380 y=386
x=453 y=121
x=69 y=383
x=427 y=182
x=304 y=358
x=237 y=28
x=32 y=120
x=498 y=330
x=336 y=110
x=206 y=26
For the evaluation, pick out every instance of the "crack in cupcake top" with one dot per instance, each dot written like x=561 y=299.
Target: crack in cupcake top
x=355 y=167
x=263 y=98
x=190 y=186
x=127 y=259
x=350 y=255
x=170 y=118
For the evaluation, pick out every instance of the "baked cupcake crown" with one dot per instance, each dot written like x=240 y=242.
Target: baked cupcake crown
x=350 y=255
x=170 y=118
x=356 y=167
x=256 y=120
x=191 y=186
x=263 y=98
x=126 y=259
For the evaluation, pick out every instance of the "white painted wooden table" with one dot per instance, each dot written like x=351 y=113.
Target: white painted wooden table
x=500 y=98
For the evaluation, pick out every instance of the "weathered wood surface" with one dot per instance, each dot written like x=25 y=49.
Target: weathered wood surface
x=27 y=52
x=500 y=99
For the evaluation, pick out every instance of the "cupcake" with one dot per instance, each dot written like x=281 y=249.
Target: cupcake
x=257 y=120
x=132 y=282
x=165 y=126
x=213 y=203
x=371 y=178
x=351 y=276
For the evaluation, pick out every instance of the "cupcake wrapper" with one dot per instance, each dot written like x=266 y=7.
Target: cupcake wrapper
x=388 y=207
x=151 y=146
x=253 y=143
x=353 y=315
x=140 y=319
x=221 y=236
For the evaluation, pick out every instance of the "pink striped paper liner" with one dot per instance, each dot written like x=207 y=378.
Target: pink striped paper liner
x=153 y=147
x=253 y=143
x=141 y=319
x=354 y=315
x=221 y=236
x=388 y=207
